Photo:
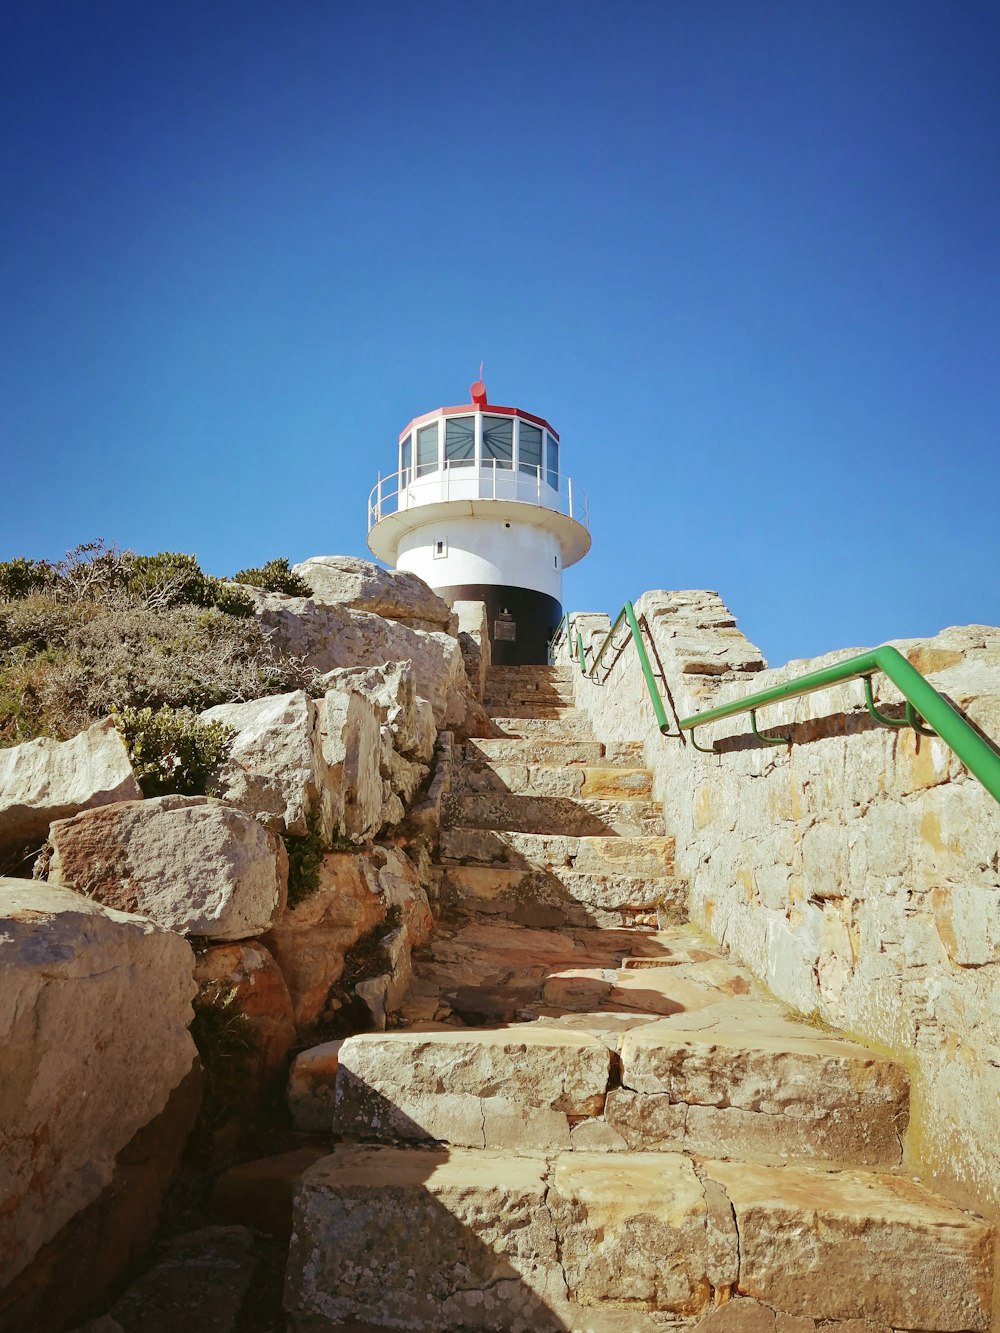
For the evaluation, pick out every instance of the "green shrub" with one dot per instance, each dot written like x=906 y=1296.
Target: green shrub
x=305 y=857
x=275 y=576
x=172 y=751
x=20 y=578
x=173 y=579
x=225 y=597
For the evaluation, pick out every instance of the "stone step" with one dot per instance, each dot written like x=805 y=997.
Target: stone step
x=741 y=1078
x=533 y=750
x=553 y=750
x=546 y=709
x=453 y=1238
x=590 y=782
x=651 y=857
x=576 y=817
x=529 y=675
x=478 y=1088
x=524 y=689
x=481 y=970
x=571 y=725
x=561 y=896
x=732 y=1078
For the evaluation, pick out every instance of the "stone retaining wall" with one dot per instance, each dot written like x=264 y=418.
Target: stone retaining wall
x=857 y=872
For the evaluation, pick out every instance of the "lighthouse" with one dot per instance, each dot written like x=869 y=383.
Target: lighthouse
x=480 y=508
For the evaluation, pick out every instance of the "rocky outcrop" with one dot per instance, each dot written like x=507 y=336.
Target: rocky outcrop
x=272 y=770
x=45 y=779
x=344 y=580
x=94 y=1014
x=402 y=712
x=351 y=752
x=310 y=939
x=189 y=863
x=326 y=637
x=355 y=896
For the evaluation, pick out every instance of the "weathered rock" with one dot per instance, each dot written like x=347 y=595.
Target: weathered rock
x=503 y=1088
x=110 y=1237
x=45 y=780
x=399 y=883
x=310 y=939
x=189 y=863
x=474 y=640
x=853 y=1244
x=392 y=688
x=351 y=752
x=328 y=637
x=245 y=990
x=274 y=770
x=344 y=580
x=452 y=1239
x=94 y=1012
x=312 y=1087
x=633 y=1229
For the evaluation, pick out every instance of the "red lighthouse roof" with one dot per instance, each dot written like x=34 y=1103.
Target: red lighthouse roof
x=477 y=403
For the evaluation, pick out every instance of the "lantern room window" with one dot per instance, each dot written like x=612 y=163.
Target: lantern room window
x=460 y=441
x=530 y=448
x=427 y=450
x=498 y=441
x=552 y=473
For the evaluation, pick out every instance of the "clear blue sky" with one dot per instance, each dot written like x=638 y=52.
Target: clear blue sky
x=744 y=255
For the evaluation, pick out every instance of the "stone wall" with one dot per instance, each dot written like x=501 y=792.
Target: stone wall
x=856 y=871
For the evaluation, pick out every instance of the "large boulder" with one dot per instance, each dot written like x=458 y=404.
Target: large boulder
x=392 y=688
x=326 y=637
x=45 y=779
x=351 y=750
x=295 y=760
x=94 y=1014
x=189 y=863
x=272 y=769
x=344 y=580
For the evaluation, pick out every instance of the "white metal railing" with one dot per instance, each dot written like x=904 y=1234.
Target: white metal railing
x=410 y=488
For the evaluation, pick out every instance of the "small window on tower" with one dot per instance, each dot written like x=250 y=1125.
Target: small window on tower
x=440 y=550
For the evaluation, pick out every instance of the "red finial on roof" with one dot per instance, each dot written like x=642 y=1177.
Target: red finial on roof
x=478 y=390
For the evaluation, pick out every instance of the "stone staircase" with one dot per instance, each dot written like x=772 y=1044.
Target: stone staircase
x=589 y=1119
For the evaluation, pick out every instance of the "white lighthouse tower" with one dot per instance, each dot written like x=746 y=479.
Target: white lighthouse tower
x=479 y=508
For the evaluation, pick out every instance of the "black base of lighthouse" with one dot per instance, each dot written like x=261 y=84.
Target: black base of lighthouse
x=521 y=621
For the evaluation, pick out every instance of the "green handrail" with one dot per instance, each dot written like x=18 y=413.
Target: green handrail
x=922 y=700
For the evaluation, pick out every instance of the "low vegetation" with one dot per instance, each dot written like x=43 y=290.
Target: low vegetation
x=172 y=751
x=275 y=576
x=106 y=629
